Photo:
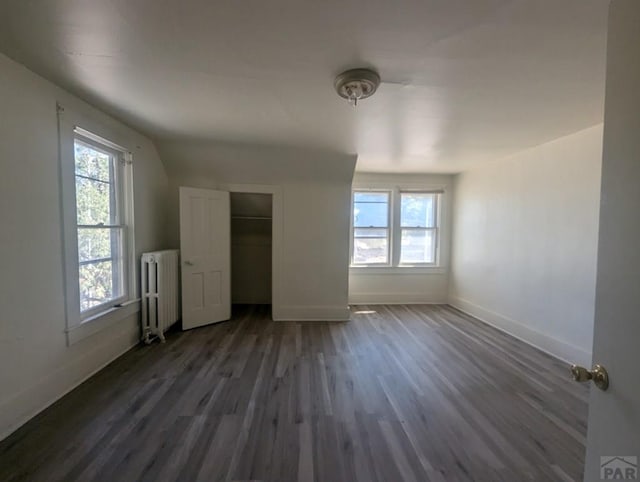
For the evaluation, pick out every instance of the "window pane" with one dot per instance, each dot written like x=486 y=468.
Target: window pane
x=93 y=201
x=371 y=209
x=370 y=250
x=417 y=246
x=94 y=244
x=101 y=253
x=370 y=233
x=90 y=162
x=371 y=197
x=99 y=283
x=417 y=210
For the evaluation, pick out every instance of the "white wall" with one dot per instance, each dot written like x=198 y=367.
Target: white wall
x=36 y=365
x=525 y=243
x=316 y=190
x=406 y=285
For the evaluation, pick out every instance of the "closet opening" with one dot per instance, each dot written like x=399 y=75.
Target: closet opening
x=251 y=251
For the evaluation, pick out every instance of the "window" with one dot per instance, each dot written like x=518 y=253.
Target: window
x=395 y=228
x=96 y=201
x=418 y=227
x=100 y=225
x=371 y=227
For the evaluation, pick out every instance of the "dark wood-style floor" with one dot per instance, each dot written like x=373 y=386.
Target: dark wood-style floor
x=411 y=393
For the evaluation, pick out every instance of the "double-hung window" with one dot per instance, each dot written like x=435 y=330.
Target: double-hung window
x=418 y=226
x=96 y=200
x=371 y=227
x=100 y=225
x=395 y=228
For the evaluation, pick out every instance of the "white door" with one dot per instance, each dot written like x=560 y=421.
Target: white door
x=614 y=414
x=205 y=244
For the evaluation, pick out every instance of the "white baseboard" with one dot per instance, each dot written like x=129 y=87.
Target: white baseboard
x=311 y=313
x=554 y=347
x=47 y=389
x=395 y=299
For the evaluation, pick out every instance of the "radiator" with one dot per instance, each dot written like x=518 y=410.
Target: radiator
x=160 y=293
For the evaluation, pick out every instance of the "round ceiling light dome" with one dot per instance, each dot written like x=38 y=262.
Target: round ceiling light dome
x=357 y=84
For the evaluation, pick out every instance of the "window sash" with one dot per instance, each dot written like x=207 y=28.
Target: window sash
x=434 y=247
x=118 y=282
x=387 y=222
x=96 y=261
x=72 y=125
x=386 y=227
x=118 y=236
x=386 y=237
x=396 y=228
x=100 y=226
x=108 y=304
x=433 y=213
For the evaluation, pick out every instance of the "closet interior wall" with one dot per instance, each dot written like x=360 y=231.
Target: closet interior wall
x=251 y=248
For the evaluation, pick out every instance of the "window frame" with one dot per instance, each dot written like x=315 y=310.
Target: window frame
x=395 y=230
x=80 y=324
x=389 y=230
x=118 y=157
x=435 y=228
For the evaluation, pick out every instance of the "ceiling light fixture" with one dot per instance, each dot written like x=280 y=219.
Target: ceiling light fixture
x=356 y=84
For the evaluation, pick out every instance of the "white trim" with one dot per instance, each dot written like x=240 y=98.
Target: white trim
x=394 y=228
x=66 y=128
x=404 y=270
x=99 y=310
x=554 y=347
x=128 y=211
x=70 y=124
x=100 y=141
x=436 y=227
x=389 y=228
x=312 y=313
x=421 y=186
x=99 y=322
x=97 y=143
x=374 y=302
x=397 y=299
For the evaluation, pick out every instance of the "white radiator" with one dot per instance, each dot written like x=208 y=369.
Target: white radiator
x=160 y=292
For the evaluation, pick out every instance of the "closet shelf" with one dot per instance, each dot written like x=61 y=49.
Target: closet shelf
x=252 y=217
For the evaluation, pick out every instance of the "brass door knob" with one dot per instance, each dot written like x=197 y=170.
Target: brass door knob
x=598 y=374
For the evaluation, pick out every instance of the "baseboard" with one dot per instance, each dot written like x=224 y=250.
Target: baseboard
x=42 y=390
x=554 y=347
x=311 y=313
x=395 y=299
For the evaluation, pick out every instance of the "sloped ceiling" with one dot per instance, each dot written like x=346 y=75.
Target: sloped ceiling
x=464 y=81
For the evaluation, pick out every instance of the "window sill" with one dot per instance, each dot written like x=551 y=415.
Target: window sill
x=405 y=270
x=101 y=321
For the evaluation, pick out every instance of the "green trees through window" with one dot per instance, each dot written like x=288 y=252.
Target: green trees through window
x=99 y=229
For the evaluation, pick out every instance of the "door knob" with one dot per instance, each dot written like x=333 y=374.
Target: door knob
x=598 y=374
x=188 y=263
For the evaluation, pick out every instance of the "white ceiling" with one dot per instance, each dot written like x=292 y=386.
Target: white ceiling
x=469 y=81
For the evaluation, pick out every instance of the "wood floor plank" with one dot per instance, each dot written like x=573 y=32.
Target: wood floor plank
x=399 y=393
